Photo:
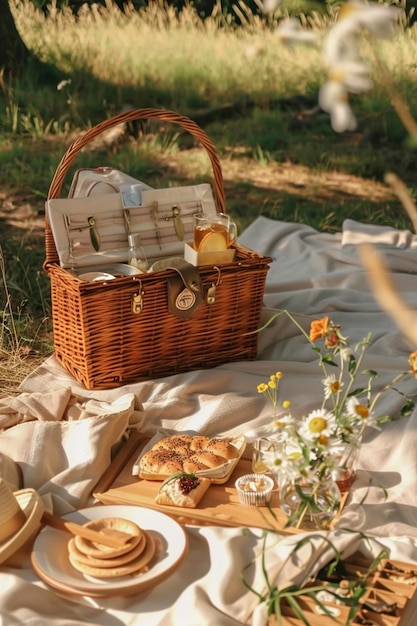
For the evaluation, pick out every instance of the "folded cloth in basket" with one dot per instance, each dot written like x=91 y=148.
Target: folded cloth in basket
x=99 y=180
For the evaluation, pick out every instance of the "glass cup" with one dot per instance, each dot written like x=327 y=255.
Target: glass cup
x=213 y=232
x=348 y=461
x=263 y=455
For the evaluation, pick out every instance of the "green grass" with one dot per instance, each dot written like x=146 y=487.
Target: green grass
x=280 y=155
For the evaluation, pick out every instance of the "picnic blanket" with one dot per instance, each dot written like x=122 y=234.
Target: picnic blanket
x=312 y=274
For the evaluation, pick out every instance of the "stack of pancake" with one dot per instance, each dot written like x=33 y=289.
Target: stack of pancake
x=100 y=561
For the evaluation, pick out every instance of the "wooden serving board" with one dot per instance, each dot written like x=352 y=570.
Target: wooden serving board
x=219 y=506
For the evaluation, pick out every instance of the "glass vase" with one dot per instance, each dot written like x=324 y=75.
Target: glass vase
x=348 y=461
x=310 y=504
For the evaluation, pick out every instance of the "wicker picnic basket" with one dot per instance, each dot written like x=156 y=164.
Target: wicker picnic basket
x=104 y=341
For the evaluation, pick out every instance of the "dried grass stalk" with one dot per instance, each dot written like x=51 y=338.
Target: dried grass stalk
x=386 y=293
x=402 y=194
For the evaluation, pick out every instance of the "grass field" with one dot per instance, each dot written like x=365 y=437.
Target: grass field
x=253 y=94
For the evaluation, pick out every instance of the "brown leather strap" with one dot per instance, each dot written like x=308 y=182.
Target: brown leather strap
x=185 y=291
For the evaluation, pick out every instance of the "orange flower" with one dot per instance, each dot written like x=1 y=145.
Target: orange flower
x=318 y=328
x=332 y=338
x=412 y=359
x=329 y=331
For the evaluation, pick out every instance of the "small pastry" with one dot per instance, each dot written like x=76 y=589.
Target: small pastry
x=185 y=490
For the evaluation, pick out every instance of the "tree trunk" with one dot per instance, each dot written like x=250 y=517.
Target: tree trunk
x=13 y=51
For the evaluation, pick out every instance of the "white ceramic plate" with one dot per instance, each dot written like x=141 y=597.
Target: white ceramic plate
x=50 y=553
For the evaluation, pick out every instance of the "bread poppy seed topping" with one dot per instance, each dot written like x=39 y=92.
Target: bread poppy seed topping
x=186 y=453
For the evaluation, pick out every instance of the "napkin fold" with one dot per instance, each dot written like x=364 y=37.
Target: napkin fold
x=48 y=407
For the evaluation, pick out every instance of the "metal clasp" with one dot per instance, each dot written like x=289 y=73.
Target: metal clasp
x=211 y=291
x=137 y=301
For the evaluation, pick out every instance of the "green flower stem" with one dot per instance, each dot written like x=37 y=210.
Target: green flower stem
x=306 y=506
x=341 y=398
x=386 y=388
x=352 y=375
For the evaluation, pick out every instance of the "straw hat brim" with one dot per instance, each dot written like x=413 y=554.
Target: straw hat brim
x=32 y=506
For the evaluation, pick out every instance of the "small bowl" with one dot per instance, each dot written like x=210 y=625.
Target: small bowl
x=96 y=277
x=254 y=489
x=163 y=264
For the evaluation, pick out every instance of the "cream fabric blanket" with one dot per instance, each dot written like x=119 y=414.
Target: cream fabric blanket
x=61 y=444
x=313 y=273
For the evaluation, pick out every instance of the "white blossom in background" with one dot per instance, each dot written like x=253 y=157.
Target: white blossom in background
x=334 y=99
x=269 y=6
x=290 y=31
x=253 y=51
x=378 y=19
x=341 y=43
x=64 y=83
x=345 y=78
x=348 y=72
x=354 y=75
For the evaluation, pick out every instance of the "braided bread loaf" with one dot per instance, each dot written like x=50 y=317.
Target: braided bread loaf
x=186 y=453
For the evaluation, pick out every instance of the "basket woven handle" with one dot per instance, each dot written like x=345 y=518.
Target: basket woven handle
x=140 y=114
x=129 y=116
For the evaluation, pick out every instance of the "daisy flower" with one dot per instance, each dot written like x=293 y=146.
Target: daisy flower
x=332 y=386
x=354 y=408
x=283 y=422
x=319 y=423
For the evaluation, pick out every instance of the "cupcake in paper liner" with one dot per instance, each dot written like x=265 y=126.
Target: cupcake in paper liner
x=254 y=489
